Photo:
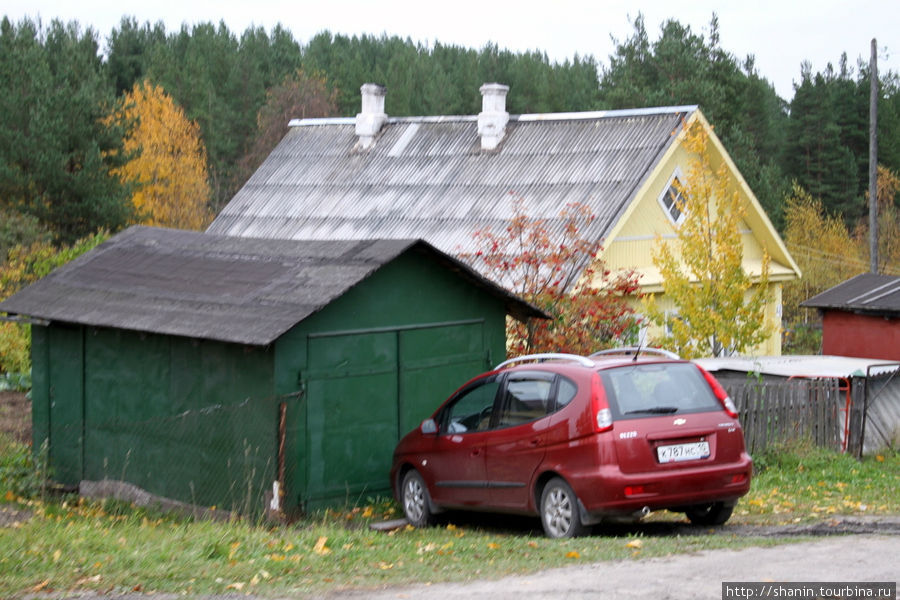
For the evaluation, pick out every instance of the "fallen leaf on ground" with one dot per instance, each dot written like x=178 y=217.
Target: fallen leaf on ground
x=320 y=547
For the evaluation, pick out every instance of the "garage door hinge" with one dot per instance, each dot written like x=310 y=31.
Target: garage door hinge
x=301 y=382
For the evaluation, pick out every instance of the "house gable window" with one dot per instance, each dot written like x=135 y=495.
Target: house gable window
x=672 y=199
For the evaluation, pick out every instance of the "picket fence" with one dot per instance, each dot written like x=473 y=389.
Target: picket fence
x=816 y=411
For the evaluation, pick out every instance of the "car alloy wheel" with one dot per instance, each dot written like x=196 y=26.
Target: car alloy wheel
x=560 y=514
x=416 y=503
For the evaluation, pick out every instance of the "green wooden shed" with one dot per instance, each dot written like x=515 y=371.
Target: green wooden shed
x=203 y=368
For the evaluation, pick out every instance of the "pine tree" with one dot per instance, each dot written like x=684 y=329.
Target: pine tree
x=56 y=150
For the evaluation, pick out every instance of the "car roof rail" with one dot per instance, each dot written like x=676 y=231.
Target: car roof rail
x=582 y=360
x=635 y=350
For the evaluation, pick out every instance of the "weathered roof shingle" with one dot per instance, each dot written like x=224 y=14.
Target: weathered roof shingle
x=866 y=293
x=217 y=287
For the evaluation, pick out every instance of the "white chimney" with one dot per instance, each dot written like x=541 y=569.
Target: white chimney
x=372 y=117
x=493 y=117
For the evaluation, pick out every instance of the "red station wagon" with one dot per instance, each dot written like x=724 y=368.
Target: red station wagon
x=577 y=440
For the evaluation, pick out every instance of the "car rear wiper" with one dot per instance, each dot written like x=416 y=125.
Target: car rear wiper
x=656 y=410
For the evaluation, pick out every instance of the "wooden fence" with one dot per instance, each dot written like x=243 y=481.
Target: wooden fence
x=777 y=412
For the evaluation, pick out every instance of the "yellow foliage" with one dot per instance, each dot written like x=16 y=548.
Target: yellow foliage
x=822 y=246
x=828 y=253
x=721 y=310
x=24 y=265
x=15 y=348
x=168 y=167
x=888 y=225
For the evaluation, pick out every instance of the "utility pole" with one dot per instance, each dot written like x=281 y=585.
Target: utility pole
x=873 y=159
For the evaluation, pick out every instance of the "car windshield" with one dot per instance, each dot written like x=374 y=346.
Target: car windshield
x=653 y=389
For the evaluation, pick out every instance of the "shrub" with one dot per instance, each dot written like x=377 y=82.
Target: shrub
x=25 y=264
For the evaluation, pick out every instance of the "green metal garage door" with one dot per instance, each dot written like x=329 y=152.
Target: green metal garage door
x=66 y=366
x=365 y=389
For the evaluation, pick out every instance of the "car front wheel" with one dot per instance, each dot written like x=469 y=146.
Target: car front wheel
x=714 y=513
x=416 y=501
x=560 y=514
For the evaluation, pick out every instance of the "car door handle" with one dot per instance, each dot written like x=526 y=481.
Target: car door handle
x=475 y=452
x=535 y=443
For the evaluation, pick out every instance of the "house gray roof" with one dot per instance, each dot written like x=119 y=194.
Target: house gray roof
x=866 y=293
x=427 y=177
x=216 y=287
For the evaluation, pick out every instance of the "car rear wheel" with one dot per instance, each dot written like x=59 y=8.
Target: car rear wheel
x=560 y=513
x=714 y=513
x=416 y=501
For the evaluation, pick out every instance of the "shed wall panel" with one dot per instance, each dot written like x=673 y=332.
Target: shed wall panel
x=66 y=362
x=352 y=413
x=40 y=388
x=184 y=419
x=433 y=362
x=863 y=336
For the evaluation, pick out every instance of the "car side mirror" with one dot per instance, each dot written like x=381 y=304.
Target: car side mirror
x=428 y=426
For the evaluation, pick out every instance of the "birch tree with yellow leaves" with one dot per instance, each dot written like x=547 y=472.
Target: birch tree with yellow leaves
x=720 y=308
x=168 y=165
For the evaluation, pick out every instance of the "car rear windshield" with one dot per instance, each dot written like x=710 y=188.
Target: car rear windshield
x=653 y=389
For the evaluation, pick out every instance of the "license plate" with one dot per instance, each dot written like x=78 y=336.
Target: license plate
x=680 y=452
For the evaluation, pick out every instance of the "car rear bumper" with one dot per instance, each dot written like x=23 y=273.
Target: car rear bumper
x=609 y=492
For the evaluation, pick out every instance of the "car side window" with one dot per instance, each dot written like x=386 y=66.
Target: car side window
x=472 y=409
x=528 y=396
x=565 y=393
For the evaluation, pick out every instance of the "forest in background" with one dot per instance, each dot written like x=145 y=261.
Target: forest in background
x=145 y=125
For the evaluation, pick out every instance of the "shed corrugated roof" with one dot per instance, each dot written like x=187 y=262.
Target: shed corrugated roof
x=866 y=293
x=800 y=366
x=427 y=177
x=230 y=289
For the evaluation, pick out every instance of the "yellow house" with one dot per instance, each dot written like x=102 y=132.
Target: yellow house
x=443 y=178
x=651 y=218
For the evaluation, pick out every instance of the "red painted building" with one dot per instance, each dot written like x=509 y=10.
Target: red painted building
x=861 y=317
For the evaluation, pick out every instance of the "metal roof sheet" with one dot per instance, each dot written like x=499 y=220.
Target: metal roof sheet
x=427 y=177
x=800 y=366
x=869 y=293
x=193 y=284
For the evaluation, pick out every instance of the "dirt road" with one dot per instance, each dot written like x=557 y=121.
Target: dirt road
x=854 y=555
x=698 y=576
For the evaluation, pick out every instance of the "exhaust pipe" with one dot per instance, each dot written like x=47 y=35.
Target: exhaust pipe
x=640 y=514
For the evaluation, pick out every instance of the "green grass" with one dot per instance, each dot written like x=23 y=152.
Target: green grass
x=799 y=483
x=71 y=544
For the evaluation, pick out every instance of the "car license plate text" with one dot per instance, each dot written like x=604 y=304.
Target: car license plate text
x=680 y=452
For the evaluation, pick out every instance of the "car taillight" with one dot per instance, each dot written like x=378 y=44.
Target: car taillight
x=602 y=416
x=720 y=393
